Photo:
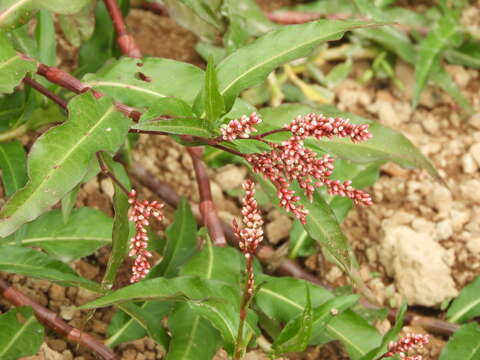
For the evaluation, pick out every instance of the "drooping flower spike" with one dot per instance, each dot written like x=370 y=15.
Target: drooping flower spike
x=140 y=213
x=405 y=345
x=291 y=160
x=241 y=128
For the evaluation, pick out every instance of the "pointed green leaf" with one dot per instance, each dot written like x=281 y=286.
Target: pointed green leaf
x=467 y=305
x=181 y=241
x=283 y=299
x=296 y=334
x=446 y=32
x=123 y=327
x=66 y=241
x=390 y=336
x=213 y=101
x=214 y=300
x=13 y=162
x=140 y=83
x=21 y=334
x=251 y=64
x=193 y=338
x=33 y=263
x=13 y=67
x=299 y=242
x=464 y=344
x=218 y=263
x=78 y=28
x=59 y=159
x=46 y=38
x=120 y=233
x=68 y=203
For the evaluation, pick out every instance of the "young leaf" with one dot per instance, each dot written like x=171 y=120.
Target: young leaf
x=141 y=85
x=66 y=241
x=296 y=334
x=21 y=334
x=120 y=233
x=193 y=338
x=181 y=241
x=13 y=162
x=251 y=64
x=59 y=159
x=46 y=40
x=213 y=101
x=283 y=299
x=33 y=263
x=211 y=299
x=300 y=243
x=13 y=67
x=68 y=203
x=123 y=327
x=464 y=344
x=446 y=32
x=467 y=305
x=390 y=336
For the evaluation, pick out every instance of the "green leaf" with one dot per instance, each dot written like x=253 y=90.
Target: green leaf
x=386 y=144
x=122 y=79
x=251 y=64
x=68 y=203
x=59 y=159
x=13 y=163
x=217 y=263
x=206 y=11
x=284 y=298
x=339 y=73
x=29 y=262
x=193 y=338
x=323 y=226
x=123 y=328
x=13 y=67
x=300 y=243
x=249 y=13
x=181 y=241
x=211 y=299
x=467 y=305
x=21 y=334
x=390 y=336
x=120 y=233
x=78 y=28
x=464 y=344
x=14 y=13
x=46 y=38
x=468 y=54
x=368 y=8
x=213 y=101
x=66 y=241
x=185 y=126
x=445 y=33
x=296 y=334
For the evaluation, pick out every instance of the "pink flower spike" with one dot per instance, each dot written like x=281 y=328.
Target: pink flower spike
x=242 y=127
x=140 y=213
x=319 y=126
x=406 y=344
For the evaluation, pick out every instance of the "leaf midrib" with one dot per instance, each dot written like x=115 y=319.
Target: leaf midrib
x=14 y=338
x=10 y=167
x=60 y=238
x=126 y=86
x=465 y=310
x=7 y=12
x=5 y=63
x=66 y=157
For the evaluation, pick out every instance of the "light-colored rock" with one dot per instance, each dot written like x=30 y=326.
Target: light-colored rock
x=416 y=262
x=231 y=177
x=475 y=152
x=459 y=218
x=469 y=165
x=431 y=124
x=440 y=198
x=423 y=225
x=444 y=230
x=334 y=274
x=475 y=120
x=107 y=187
x=84 y=296
x=49 y=353
x=67 y=312
x=473 y=245
x=471 y=190
x=390 y=111
x=278 y=229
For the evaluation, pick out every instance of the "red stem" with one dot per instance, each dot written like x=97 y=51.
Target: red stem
x=125 y=41
x=53 y=321
x=43 y=90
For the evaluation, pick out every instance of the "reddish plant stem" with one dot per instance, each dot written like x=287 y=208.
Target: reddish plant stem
x=154 y=7
x=125 y=41
x=284 y=266
x=292 y=17
x=53 y=321
x=108 y=173
x=151 y=132
x=43 y=90
x=208 y=209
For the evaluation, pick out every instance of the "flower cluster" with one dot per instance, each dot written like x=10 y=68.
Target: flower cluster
x=140 y=213
x=405 y=344
x=250 y=236
x=291 y=160
x=242 y=127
